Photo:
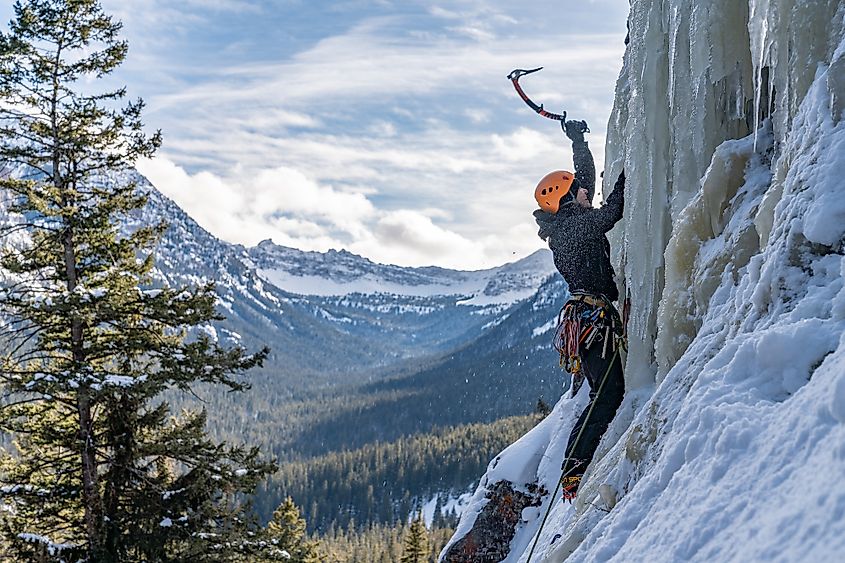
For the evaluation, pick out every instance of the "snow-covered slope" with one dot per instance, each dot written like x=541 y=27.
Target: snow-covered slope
x=730 y=123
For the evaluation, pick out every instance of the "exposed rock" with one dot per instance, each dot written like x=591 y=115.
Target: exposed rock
x=489 y=539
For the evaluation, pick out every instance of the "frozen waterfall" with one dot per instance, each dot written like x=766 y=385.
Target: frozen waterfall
x=729 y=120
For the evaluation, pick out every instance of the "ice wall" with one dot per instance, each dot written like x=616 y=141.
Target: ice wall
x=696 y=74
x=729 y=120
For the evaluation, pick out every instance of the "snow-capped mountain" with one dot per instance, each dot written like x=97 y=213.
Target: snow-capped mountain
x=729 y=121
x=302 y=304
x=314 y=308
x=341 y=273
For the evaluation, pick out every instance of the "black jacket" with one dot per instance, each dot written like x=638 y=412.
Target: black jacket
x=585 y=168
x=579 y=244
x=582 y=158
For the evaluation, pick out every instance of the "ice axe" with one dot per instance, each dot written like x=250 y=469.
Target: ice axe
x=514 y=77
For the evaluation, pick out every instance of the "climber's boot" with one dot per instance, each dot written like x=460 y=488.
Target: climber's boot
x=570 y=484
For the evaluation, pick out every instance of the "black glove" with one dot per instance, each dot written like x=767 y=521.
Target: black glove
x=575 y=130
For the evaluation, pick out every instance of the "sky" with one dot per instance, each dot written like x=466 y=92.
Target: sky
x=386 y=128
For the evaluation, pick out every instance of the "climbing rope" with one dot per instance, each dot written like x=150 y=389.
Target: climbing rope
x=565 y=473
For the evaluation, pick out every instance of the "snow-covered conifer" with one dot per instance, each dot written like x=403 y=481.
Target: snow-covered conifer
x=286 y=534
x=103 y=471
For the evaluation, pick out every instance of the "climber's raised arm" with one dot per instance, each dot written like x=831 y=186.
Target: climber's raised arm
x=582 y=158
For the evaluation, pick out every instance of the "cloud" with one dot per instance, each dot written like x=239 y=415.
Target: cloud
x=388 y=129
x=227 y=205
x=485 y=12
x=292 y=191
x=383 y=128
x=363 y=65
x=239 y=6
x=441 y=12
x=477 y=115
x=476 y=32
x=155 y=12
x=270 y=118
x=522 y=144
x=204 y=196
x=409 y=237
x=293 y=210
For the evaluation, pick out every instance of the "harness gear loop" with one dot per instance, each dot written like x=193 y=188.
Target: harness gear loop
x=514 y=77
x=584 y=320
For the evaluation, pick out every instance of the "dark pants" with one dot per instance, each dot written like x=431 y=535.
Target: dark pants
x=580 y=451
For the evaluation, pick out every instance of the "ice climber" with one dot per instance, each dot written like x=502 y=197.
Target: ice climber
x=589 y=331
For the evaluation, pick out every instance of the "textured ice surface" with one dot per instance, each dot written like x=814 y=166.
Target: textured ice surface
x=729 y=447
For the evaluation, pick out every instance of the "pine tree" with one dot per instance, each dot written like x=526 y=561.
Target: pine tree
x=286 y=533
x=103 y=471
x=416 y=542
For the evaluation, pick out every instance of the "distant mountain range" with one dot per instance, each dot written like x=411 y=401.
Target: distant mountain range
x=324 y=314
x=337 y=318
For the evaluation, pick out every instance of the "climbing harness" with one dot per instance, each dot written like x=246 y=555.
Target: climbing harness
x=566 y=473
x=514 y=77
x=584 y=320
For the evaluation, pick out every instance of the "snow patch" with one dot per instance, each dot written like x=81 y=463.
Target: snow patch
x=543 y=329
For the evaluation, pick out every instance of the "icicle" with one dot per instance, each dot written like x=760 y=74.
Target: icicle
x=758 y=28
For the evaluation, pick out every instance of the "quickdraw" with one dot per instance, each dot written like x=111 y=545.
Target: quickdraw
x=514 y=77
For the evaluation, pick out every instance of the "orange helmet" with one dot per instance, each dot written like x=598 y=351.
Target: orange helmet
x=551 y=188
